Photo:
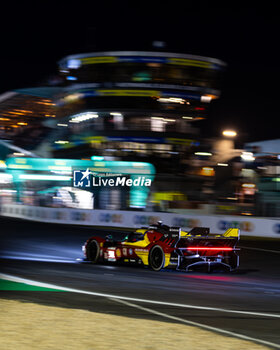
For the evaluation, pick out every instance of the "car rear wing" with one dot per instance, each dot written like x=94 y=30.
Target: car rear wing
x=205 y=232
x=232 y=232
x=201 y=231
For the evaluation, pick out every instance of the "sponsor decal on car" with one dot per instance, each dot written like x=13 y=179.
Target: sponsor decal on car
x=124 y=251
x=139 y=250
x=118 y=253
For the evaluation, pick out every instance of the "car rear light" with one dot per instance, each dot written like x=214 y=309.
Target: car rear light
x=211 y=248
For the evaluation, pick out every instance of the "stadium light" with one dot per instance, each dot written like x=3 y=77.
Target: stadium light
x=229 y=133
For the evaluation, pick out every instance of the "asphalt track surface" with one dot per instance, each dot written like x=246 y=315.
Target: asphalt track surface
x=52 y=254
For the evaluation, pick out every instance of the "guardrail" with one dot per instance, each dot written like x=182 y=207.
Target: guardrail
x=249 y=226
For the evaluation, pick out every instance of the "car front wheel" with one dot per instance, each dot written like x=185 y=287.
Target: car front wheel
x=93 y=251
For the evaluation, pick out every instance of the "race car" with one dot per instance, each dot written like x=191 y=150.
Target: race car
x=160 y=246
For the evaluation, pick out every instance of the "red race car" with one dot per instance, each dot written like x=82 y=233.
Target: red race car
x=160 y=246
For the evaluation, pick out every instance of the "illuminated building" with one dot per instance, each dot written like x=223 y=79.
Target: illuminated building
x=125 y=105
x=23 y=112
x=134 y=104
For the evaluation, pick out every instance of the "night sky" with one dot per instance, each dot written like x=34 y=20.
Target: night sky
x=35 y=36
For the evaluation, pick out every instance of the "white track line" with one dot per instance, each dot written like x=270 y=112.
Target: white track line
x=196 y=324
x=10 y=257
x=124 y=300
x=155 y=302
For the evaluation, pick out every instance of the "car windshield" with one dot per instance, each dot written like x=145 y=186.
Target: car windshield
x=133 y=237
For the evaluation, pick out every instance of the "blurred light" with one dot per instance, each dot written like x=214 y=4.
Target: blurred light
x=163 y=119
x=83 y=116
x=185 y=117
x=116 y=113
x=62 y=142
x=207 y=171
x=157 y=197
x=61 y=124
x=73 y=64
x=45 y=102
x=3 y=164
x=177 y=100
x=172 y=99
x=72 y=97
x=5 y=178
x=247 y=156
x=44 y=177
x=83 y=198
x=248 y=185
x=63 y=171
x=229 y=133
x=18 y=154
x=22 y=123
x=97 y=158
x=118 y=118
x=70 y=77
x=203 y=154
x=206 y=99
x=222 y=164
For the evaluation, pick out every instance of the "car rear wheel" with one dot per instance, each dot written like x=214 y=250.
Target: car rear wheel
x=156 y=258
x=93 y=251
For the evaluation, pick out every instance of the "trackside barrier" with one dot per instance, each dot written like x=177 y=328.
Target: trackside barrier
x=249 y=226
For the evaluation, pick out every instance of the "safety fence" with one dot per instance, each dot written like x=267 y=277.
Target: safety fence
x=249 y=226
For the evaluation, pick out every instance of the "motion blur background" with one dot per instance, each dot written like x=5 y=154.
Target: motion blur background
x=158 y=88
x=182 y=93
